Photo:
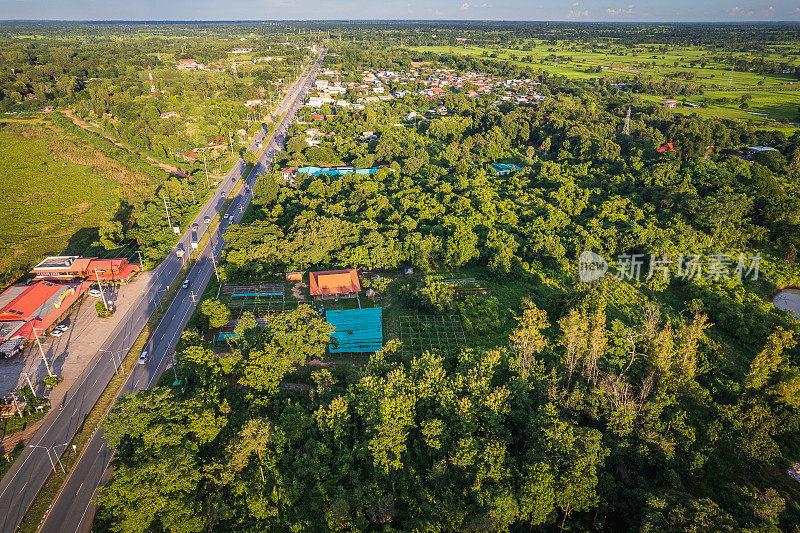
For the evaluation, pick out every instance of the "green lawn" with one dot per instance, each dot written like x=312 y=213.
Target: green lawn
x=55 y=195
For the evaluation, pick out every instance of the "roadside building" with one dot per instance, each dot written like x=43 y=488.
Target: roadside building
x=39 y=305
x=74 y=268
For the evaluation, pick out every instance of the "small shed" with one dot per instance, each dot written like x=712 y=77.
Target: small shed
x=297 y=275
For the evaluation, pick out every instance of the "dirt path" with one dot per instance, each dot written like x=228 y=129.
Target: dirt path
x=10 y=441
x=163 y=166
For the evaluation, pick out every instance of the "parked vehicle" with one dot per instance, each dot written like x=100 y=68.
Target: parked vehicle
x=94 y=291
x=59 y=330
x=195 y=226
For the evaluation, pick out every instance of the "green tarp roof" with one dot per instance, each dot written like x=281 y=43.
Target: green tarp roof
x=357 y=330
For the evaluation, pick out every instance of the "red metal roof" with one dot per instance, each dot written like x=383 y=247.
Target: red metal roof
x=334 y=282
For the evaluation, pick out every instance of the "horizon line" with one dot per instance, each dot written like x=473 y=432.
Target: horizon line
x=377 y=20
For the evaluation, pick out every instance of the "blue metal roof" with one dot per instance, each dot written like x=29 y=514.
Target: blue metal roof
x=356 y=330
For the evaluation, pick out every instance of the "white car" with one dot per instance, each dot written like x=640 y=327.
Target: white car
x=143 y=357
x=206 y=220
x=95 y=292
x=59 y=330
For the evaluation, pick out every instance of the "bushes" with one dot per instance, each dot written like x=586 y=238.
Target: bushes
x=102 y=310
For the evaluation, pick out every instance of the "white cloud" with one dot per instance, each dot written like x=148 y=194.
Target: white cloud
x=576 y=13
x=621 y=11
x=738 y=12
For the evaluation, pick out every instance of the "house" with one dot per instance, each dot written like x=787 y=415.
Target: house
x=296 y=275
x=288 y=173
x=252 y=103
x=170 y=114
x=187 y=64
x=666 y=147
x=669 y=102
x=334 y=284
x=503 y=169
x=321 y=84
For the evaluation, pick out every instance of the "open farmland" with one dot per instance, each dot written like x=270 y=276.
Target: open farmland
x=57 y=191
x=707 y=77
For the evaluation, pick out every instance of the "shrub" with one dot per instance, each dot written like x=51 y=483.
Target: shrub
x=102 y=311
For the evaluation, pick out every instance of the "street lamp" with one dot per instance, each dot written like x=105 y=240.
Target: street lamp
x=153 y=299
x=116 y=368
x=54 y=446
x=45 y=448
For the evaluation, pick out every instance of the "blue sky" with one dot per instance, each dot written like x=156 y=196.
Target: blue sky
x=570 y=10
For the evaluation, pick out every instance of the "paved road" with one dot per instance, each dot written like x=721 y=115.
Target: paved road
x=74 y=510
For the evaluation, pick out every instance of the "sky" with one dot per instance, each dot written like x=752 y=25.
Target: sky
x=533 y=10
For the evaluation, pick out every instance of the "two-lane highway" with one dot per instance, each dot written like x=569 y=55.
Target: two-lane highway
x=74 y=508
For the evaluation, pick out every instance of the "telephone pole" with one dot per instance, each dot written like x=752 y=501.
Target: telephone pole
x=205 y=167
x=626 y=130
x=214 y=262
x=166 y=208
x=41 y=351
x=102 y=293
x=28 y=379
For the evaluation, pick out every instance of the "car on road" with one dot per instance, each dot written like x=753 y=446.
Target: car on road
x=59 y=330
x=195 y=226
x=233 y=179
x=143 y=357
x=222 y=193
x=247 y=190
x=186 y=284
x=206 y=220
x=94 y=291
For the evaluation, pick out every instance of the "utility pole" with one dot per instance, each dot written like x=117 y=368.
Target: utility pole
x=214 y=262
x=141 y=262
x=41 y=351
x=102 y=293
x=28 y=379
x=166 y=208
x=626 y=130
x=205 y=167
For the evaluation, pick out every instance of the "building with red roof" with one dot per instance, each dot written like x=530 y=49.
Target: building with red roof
x=73 y=268
x=334 y=283
x=39 y=305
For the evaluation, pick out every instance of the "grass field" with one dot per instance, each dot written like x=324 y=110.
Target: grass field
x=57 y=192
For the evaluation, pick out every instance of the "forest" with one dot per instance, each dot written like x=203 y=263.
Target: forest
x=654 y=403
